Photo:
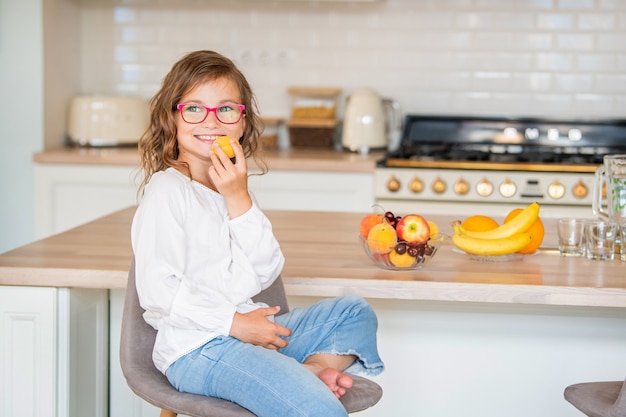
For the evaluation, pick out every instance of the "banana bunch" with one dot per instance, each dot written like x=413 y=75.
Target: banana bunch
x=508 y=238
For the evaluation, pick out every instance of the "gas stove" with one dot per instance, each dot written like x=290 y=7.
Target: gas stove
x=456 y=164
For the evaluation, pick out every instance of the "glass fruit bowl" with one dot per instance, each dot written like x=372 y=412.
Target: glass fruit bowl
x=400 y=256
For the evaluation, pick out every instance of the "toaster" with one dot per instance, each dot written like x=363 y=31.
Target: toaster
x=97 y=120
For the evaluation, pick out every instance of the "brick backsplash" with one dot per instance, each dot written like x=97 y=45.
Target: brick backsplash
x=553 y=58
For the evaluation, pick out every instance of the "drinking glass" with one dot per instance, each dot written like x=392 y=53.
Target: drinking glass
x=600 y=240
x=571 y=236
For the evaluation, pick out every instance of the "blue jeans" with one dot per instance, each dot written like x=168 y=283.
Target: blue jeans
x=273 y=383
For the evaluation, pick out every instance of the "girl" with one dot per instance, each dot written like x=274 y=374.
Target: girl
x=203 y=249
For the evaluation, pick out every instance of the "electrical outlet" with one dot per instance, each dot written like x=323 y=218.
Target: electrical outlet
x=264 y=57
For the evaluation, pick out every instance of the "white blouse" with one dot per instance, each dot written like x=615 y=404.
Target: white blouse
x=195 y=266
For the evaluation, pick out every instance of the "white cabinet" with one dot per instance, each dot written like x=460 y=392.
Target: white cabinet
x=317 y=191
x=53 y=352
x=69 y=195
x=27 y=352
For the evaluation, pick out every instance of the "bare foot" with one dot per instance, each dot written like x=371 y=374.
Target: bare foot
x=335 y=380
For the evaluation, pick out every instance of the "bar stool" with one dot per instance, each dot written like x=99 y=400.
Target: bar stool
x=147 y=382
x=598 y=399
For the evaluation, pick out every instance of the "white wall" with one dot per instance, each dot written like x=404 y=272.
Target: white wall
x=21 y=116
x=537 y=57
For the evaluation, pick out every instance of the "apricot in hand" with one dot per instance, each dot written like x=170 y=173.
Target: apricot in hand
x=224 y=143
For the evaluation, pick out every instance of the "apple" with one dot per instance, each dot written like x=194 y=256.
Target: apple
x=413 y=229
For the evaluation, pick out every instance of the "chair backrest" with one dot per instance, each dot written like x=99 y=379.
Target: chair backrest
x=145 y=380
x=137 y=336
x=598 y=399
x=619 y=408
x=274 y=296
x=135 y=328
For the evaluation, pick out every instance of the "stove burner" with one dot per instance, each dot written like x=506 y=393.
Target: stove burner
x=538 y=156
x=461 y=155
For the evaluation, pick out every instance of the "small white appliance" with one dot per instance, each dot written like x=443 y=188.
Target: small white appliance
x=99 y=120
x=370 y=122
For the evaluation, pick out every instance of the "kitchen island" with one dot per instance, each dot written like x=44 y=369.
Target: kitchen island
x=323 y=258
x=459 y=336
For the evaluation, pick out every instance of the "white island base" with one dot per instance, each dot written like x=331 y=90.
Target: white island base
x=471 y=359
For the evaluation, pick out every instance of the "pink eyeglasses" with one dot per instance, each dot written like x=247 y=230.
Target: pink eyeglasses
x=197 y=113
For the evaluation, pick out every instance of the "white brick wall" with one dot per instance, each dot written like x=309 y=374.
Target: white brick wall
x=561 y=58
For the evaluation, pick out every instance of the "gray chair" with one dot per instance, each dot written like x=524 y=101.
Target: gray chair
x=137 y=340
x=598 y=399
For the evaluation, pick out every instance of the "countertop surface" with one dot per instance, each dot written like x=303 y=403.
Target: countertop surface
x=324 y=258
x=289 y=159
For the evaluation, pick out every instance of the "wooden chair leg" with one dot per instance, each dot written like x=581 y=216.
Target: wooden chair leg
x=167 y=413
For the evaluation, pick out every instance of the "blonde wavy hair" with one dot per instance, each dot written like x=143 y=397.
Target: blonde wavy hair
x=158 y=146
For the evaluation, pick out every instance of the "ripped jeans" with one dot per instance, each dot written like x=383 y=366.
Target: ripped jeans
x=273 y=383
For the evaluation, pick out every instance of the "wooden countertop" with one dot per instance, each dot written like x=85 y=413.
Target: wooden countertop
x=289 y=159
x=324 y=258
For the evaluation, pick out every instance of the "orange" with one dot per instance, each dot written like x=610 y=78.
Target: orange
x=369 y=221
x=479 y=223
x=536 y=230
x=382 y=238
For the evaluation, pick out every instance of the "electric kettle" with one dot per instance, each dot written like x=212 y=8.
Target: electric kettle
x=370 y=122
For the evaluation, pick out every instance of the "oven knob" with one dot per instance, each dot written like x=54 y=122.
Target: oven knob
x=416 y=185
x=508 y=188
x=439 y=186
x=556 y=190
x=580 y=190
x=461 y=187
x=393 y=184
x=484 y=188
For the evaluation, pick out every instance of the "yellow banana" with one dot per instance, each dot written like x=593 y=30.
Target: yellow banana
x=518 y=224
x=491 y=247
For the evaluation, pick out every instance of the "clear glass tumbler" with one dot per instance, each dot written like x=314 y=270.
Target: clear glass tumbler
x=600 y=240
x=571 y=237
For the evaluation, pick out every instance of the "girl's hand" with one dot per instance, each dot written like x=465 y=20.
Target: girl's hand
x=255 y=328
x=231 y=179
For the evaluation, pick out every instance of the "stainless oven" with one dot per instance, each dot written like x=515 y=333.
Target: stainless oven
x=488 y=165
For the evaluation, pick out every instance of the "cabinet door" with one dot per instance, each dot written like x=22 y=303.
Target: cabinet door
x=83 y=352
x=53 y=352
x=317 y=191
x=28 y=352
x=70 y=195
